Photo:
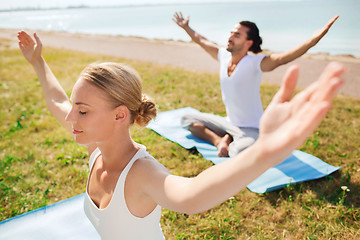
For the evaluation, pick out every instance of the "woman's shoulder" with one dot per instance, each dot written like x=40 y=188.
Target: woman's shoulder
x=147 y=174
x=147 y=169
x=148 y=164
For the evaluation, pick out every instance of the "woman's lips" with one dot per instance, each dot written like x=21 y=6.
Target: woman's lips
x=76 y=131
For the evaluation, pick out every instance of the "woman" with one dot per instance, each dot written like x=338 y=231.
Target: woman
x=126 y=186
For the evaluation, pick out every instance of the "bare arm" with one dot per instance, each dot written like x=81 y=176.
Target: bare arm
x=56 y=99
x=207 y=45
x=273 y=61
x=285 y=125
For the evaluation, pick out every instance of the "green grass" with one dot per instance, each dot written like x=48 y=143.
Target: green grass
x=41 y=164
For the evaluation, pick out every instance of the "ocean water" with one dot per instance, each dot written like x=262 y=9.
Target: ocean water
x=283 y=24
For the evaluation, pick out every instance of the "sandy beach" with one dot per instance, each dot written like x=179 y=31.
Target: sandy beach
x=187 y=55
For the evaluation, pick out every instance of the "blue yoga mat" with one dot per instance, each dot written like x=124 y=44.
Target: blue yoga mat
x=65 y=220
x=298 y=167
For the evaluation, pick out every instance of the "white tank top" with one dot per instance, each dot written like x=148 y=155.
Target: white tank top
x=116 y=221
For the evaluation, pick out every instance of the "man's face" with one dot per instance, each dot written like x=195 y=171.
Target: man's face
x=237 y=41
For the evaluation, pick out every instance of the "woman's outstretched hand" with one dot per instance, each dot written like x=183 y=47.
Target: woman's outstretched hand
x=30 y=49
x=287 y=122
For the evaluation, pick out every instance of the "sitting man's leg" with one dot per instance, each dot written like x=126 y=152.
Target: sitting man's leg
x=214 y=129
x=221 y=142
x=240 y=143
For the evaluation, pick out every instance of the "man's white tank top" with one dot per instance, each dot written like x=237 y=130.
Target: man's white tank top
x=116 y=221
x=241 y=91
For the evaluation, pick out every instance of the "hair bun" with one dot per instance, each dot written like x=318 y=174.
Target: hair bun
x=146 y=112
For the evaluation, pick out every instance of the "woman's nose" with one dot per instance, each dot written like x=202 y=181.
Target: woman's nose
x=70 y=116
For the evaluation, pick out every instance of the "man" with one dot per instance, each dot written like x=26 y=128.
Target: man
x=240 y=78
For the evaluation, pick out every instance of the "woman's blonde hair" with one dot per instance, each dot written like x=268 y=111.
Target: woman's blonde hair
x=123 y=86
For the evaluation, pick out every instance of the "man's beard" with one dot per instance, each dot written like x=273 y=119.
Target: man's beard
x=229 y=48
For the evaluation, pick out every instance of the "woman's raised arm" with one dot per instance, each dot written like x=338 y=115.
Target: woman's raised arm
x=56 y=99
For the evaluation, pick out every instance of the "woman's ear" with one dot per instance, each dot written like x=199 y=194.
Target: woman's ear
x=122 y=113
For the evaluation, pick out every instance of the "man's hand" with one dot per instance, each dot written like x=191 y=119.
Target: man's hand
x=319 y=34
x=179 y=20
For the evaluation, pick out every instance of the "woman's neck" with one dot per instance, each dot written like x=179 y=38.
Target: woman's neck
x=117 y=153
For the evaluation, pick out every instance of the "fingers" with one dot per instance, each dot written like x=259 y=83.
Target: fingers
x=176 y=18
x=21 y=46
x=312 y=106
x=37 y=39
x=312 y=113
x=326 y=28
x=331 y=22
x=321 y=32
x=31 y=49
x=176 y=15
x=25 y=39
x=304 y=96
x=288 y=85
x=298 y=118
x=179 y=19
x=310 y=116
x=324 y=89
x=329 y=82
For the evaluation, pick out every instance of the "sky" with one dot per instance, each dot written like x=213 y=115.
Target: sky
x=12 y=4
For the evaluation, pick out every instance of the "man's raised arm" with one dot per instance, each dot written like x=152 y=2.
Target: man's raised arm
x=273 y=61
x=207 y=45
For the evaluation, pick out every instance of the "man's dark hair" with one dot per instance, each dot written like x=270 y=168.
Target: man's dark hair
x=254 y=35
